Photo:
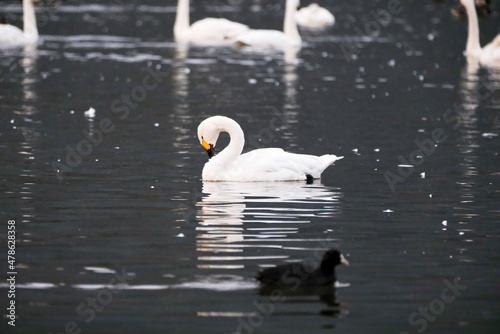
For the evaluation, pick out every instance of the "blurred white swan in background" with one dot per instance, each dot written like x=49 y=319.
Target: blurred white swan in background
x=13 y=36
x=274 y=39
x=206 y=31
x=315 y=17
x=490 y=54
x=268 y=164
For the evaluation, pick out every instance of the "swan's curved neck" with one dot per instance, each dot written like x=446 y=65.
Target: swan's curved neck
x=181 y=24
x=473 y=44
x=29 y=20
x=235 y=147
x=290 y=26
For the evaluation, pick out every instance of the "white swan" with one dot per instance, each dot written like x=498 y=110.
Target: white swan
x=268 y=164
x=206 y=31
x=13 y=36
x=315 y=17
x=490 y=54
x=274 y=39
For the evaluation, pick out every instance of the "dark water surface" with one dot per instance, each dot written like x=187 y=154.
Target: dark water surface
x=186 y=252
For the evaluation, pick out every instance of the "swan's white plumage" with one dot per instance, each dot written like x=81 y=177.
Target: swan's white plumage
x=490 y=54
x=215 y=29
x=206 y=31
x=11 y=36
x=266 y=39
x=274 y=164
x=314 y=17
x=268 y=164
x=274 y=39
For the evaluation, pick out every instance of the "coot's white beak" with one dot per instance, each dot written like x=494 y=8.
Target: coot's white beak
x=343 y=260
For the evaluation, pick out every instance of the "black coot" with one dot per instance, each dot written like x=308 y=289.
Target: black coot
x=303 y=274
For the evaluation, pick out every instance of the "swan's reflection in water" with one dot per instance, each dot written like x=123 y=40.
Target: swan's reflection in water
x=236 y=215
x=25 y=116
x=479 y=88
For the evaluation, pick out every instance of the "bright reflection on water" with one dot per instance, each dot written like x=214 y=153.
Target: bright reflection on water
x=236 y=215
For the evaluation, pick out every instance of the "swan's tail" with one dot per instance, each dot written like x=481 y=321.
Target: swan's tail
x=323 y=163
x=329 y=159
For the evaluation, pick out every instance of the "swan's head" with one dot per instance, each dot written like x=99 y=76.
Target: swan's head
x=209 y=130
x=208 y=133
x=483 y=8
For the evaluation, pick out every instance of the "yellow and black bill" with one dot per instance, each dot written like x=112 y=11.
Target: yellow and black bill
x=209 y=148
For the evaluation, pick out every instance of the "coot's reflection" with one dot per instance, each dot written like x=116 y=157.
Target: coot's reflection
x=326 y=295
x=299 y=283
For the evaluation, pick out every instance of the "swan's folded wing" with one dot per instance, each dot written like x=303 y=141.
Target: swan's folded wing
x=276 y=164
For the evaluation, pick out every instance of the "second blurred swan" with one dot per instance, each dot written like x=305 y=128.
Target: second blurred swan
x=206 y=31
x=274 y=39
x=314 y=17
x=488 y=55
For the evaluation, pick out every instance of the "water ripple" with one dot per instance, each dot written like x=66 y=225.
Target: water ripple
x=231 y=214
